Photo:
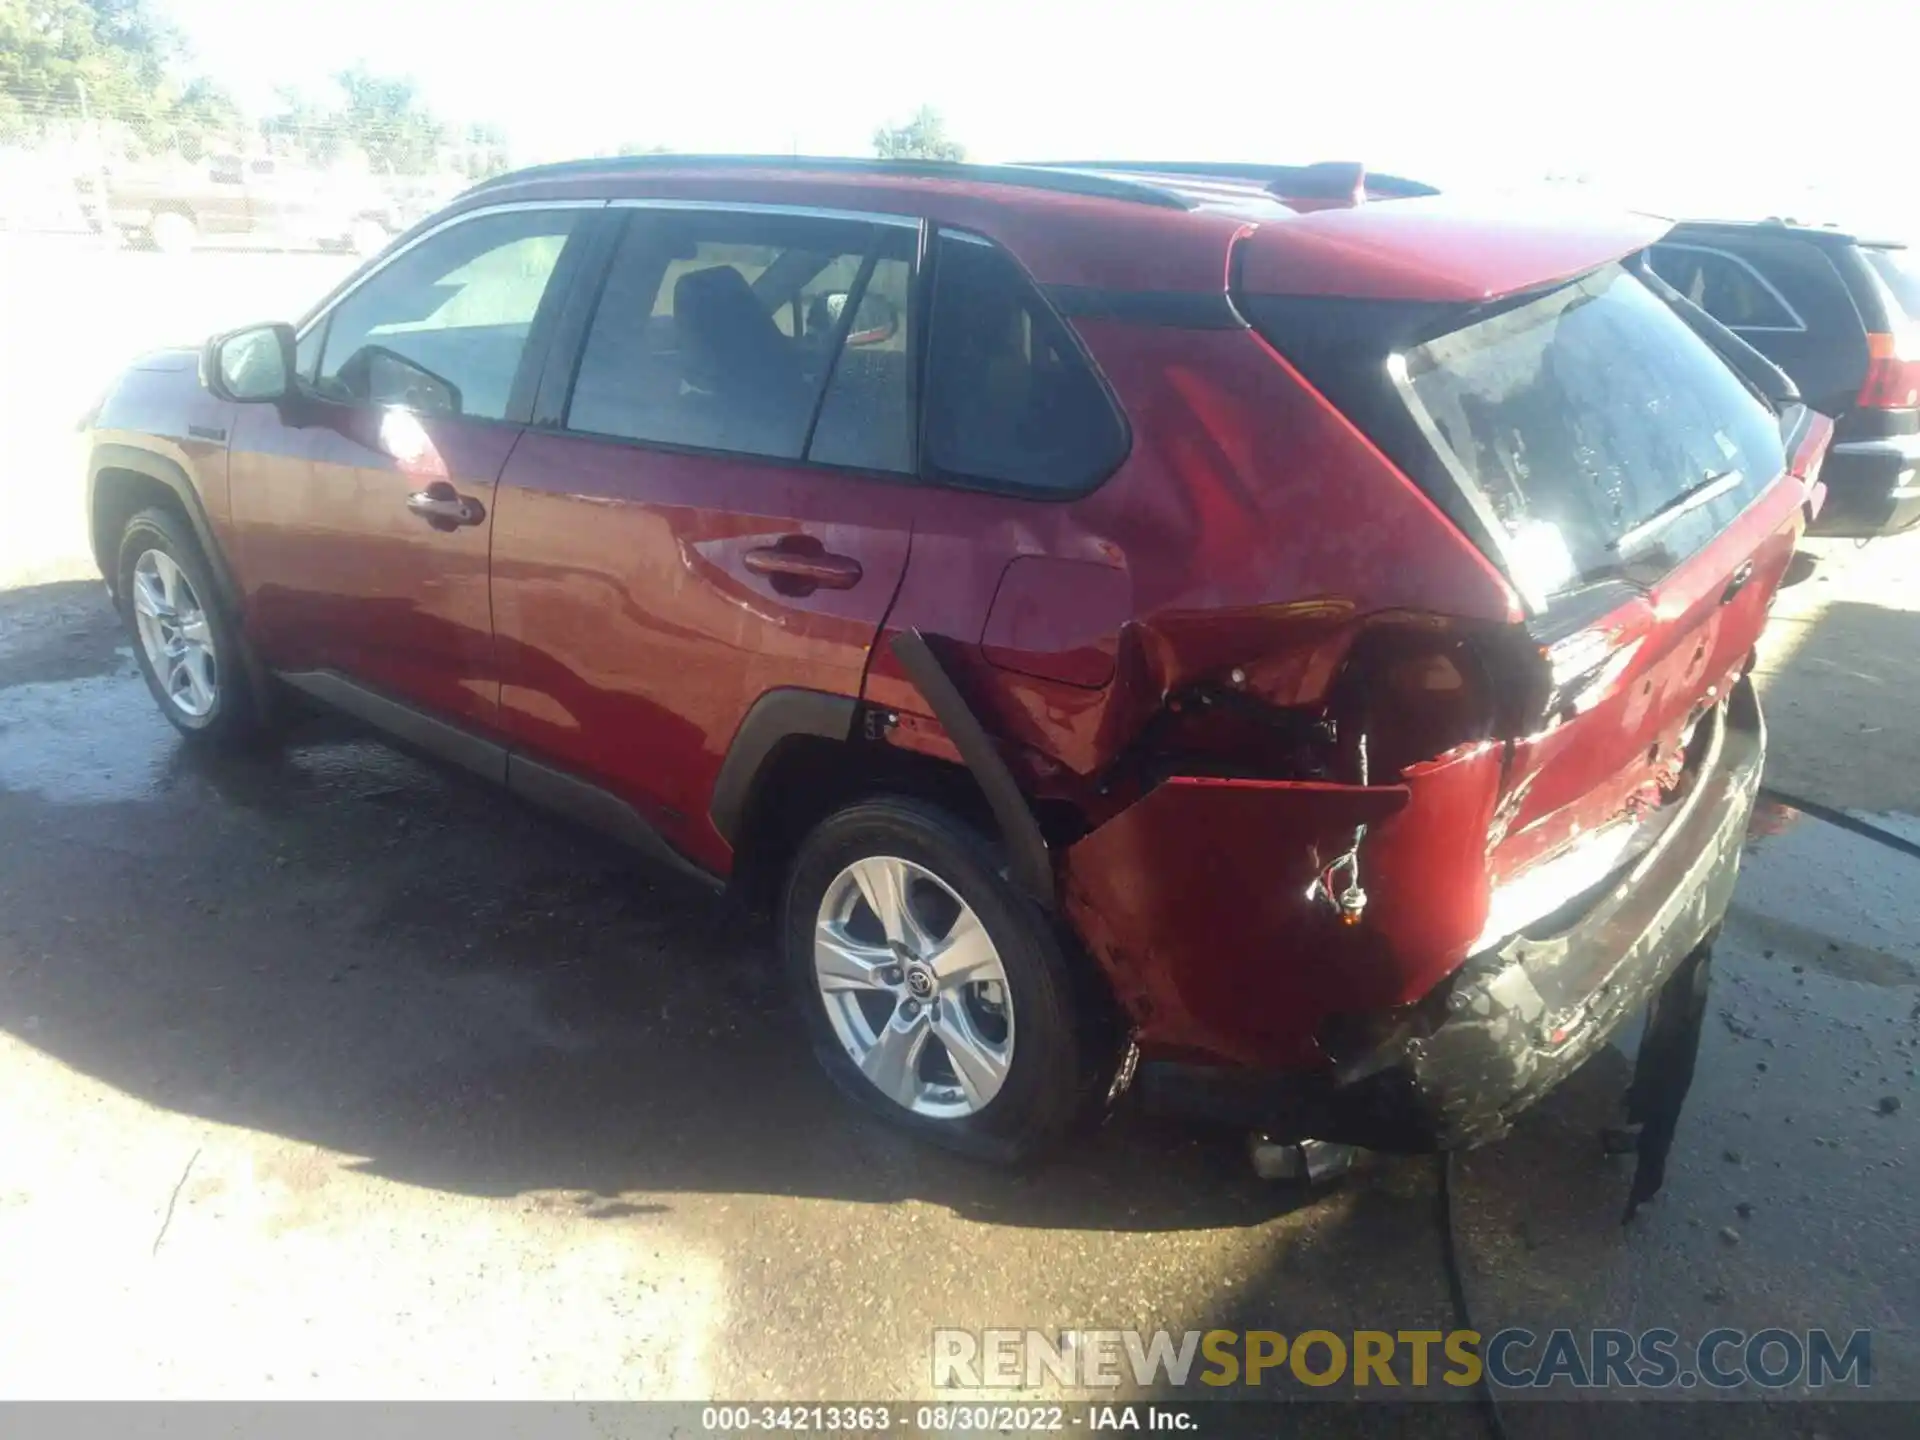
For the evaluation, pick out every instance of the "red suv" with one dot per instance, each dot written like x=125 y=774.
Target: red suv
x=1274 y=631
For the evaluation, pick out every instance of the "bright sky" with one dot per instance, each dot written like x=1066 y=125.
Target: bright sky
x=1698 y=104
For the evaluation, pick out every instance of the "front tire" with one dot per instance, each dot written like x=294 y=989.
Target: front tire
x=935 y=994
x=188 y=646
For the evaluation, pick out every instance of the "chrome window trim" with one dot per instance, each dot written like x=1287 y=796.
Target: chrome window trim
x=339 y=297
x=754 y=207
x=1799 y=325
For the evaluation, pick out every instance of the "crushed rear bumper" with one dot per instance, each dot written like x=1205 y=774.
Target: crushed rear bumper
x=1513 y=1022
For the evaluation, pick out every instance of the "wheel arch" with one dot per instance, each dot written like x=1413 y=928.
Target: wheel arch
x=802 y=755
x=798 y=756
x=123 y=480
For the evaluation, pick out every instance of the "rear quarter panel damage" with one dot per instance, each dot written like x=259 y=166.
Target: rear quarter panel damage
x=1195 y=902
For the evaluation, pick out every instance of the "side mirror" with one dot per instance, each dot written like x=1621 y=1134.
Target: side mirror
x=254 y=364
x=874 y=323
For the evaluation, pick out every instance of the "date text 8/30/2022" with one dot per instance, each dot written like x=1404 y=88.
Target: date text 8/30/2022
x=945 y=1419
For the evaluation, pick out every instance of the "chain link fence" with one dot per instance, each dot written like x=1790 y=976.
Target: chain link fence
x=174 y=182
x=120 y=235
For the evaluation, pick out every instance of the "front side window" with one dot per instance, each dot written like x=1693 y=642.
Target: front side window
x=1010 y=399
x=1601 y=434
x=443 y=329
x=753 y=333
x=1725 y=286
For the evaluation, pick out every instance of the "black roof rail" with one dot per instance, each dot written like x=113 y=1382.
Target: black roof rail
x=1301 y=181
x=1031 y=177
x=1799 y=229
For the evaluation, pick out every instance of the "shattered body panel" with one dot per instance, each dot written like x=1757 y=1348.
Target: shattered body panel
x=1512 y=1023
x=1196 y=901
x=1521 y=1019
x=1299 y=749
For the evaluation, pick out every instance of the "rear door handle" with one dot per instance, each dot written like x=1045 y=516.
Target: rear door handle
x=799 y=565
x=445 y=508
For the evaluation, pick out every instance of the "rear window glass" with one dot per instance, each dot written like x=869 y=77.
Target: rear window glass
x=1899 y=271
x=1595 y=430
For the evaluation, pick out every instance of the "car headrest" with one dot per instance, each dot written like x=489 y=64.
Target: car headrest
x=724 y=330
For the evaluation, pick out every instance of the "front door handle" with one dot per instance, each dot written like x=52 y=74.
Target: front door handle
x=445 y=508
x=799 y=565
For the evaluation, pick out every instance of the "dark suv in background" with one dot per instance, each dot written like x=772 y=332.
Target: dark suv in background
x=1839 y=314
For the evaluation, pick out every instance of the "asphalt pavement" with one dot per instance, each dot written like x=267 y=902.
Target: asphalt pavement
x=327 y=1074
x=324 y=1074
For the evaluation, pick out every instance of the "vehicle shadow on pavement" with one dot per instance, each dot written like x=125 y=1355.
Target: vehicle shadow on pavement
x=1842 y=705
x=340 y=945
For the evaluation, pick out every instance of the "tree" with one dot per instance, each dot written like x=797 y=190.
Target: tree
x=204 y=113
x=119 y=65
x=485 y=151
x=924 y=137
x=302 y=128
x=102 y=60
x=384 y=118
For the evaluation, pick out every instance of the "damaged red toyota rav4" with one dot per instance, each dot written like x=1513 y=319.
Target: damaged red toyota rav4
x=1276 y=636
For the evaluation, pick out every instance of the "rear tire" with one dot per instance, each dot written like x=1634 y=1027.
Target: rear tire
x=185 y=640
x=1001 y=1067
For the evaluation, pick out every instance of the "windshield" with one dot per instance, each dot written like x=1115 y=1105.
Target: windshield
x=1596 y=432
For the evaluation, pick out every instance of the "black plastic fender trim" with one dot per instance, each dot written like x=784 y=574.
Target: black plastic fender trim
x=774 y=717
x=1032 y=864
x=166 y=472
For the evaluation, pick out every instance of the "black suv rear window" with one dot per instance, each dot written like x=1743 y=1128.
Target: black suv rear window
x=1899 y=271
x=1583 y=434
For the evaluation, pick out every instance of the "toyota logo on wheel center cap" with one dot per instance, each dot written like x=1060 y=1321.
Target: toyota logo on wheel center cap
x=920 y=981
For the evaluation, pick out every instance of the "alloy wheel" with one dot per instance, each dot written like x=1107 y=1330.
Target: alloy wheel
x=914 y=987
x=176 y=635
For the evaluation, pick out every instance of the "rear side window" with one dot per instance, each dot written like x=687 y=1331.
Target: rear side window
x=730 y=331
x=1899 y=272
x=1603 y=437
x=1726 y=286
x=1010 y=399
x=866 y=416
